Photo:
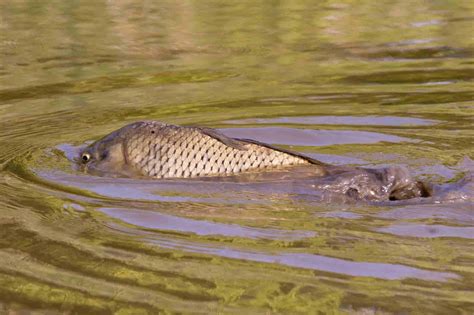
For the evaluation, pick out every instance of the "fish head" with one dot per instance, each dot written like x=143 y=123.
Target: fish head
x=106 y=157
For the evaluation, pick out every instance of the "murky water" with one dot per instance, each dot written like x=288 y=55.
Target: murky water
x=358 y=83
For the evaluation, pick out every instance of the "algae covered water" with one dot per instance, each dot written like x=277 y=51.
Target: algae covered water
x=364 y=84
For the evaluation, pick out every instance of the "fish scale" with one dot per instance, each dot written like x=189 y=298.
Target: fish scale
x=167 y=151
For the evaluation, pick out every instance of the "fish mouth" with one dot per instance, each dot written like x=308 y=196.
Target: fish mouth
x=92 y=169
x=83 y=167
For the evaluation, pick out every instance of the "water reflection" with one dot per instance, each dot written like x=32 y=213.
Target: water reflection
x=164 y=222
x=317 y=262
x=458 y=213
x=435 y=230
x=308 y=137
x=390 y=82
x=340 y=120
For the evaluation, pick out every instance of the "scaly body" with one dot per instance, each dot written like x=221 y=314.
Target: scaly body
x=159 y=150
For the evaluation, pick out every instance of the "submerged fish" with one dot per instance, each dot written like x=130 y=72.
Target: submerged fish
x=159 y=150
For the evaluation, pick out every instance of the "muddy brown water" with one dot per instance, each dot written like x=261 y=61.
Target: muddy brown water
x=362 y=84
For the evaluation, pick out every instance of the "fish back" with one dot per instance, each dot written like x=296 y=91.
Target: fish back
x=168 y=151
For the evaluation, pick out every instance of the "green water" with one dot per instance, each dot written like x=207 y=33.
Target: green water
x=361 y=83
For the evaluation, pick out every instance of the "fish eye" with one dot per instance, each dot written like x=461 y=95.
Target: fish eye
x=85 y=157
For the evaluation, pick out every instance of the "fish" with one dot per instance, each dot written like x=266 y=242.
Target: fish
x=160 y=150
x=153 y=149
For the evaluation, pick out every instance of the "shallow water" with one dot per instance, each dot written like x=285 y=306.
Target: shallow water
x=367 y=84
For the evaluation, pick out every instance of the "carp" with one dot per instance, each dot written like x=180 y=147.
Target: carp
x=159 y=150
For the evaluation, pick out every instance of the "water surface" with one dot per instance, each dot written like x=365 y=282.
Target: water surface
x=364 y=83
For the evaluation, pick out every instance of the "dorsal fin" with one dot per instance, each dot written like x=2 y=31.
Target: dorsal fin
x=213 y=133
x=290 y=152
x=239 y=144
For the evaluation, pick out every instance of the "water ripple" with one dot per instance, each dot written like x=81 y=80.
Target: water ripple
x=317 y=262
x=160 y=221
